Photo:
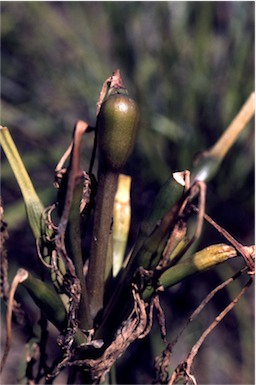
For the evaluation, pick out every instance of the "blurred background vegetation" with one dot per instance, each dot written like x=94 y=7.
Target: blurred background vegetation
x=190 y=67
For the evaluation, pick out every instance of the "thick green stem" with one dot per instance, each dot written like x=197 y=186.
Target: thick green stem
x=146 y=254
x=107 y=186
x=116 y=128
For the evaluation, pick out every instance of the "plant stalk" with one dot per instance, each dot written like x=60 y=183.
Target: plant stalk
x=107 y=185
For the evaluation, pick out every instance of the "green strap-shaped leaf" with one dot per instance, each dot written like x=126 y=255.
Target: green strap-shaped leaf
x=51 y=305
x=33 y=205
x=47 y=300
x=209 y=162
x=199 y=262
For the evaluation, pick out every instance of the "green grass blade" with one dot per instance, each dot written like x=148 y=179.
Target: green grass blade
x=33 y=205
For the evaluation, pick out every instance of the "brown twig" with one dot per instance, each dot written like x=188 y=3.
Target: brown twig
x=4 y=284
x=238 y=246
x=163 y=362
x=217 y=320
x=20 y=276
x=184 y=369
x=161 y=318
x=207 y=300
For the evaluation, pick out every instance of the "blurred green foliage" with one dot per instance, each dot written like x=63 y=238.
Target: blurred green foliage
x=190 y=66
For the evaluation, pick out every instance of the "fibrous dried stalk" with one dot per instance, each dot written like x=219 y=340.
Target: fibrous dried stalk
x=137 y=326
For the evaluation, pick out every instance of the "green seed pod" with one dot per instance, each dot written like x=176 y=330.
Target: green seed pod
x=117 y=123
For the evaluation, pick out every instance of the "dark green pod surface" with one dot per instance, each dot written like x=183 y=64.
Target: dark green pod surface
x=117 y=125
